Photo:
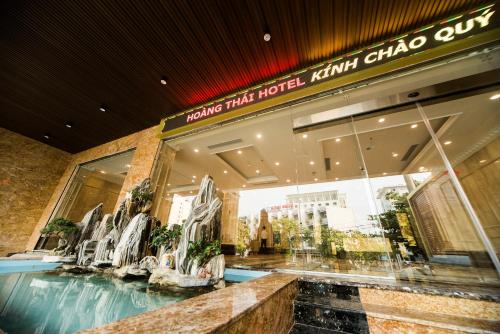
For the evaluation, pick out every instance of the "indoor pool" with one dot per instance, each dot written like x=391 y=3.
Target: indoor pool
x=40 y=302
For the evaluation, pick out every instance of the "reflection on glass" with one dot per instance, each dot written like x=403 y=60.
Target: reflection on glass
x=94 y=182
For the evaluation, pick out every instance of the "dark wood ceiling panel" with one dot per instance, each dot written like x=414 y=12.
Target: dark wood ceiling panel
x=60 y=60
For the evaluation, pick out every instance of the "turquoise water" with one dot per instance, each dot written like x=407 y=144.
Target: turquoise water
x=64 y=303
x=17 y=266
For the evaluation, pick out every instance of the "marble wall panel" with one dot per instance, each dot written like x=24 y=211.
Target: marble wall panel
x=29 y=173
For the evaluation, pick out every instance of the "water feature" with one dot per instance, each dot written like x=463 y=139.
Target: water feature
x=41 y=302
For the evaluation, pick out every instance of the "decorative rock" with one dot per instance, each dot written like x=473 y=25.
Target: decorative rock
x=149 y=263
x=89 y=223
x=103 y=227
x=57 y=258
x=203 y=223
x=128 y=251
x=132 y=271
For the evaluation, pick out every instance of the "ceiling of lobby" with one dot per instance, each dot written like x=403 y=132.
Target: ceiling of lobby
x=60 y=61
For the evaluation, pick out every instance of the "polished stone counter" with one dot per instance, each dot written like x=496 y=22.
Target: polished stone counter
x=263 y=305
x=485 y=293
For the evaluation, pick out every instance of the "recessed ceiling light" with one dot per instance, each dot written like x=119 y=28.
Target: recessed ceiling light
x=381 y=120
x=394 y=155
x=337 y=140
x=287 y=180
x=267 y=36
x=196 y=150
x=239 y=152
x=277 y=163
x=69 y=125
x=482 y=161
x=258 y=135
x=304 y=135
x=103 y=108
x=311 y=162
x=413 y=126
x=225 y=171
x=127 y=165
x=46 y=136
x=448 y=142
x=163 y=80
x=315 y=179
x=337 y=163
x=495 y=97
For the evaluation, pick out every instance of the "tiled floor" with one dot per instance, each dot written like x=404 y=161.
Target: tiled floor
x=417 y=272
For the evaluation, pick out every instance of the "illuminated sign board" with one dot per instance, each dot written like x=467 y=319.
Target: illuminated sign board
x=454 y=29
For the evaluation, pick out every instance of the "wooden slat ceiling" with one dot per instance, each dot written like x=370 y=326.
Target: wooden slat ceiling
x=60 y=60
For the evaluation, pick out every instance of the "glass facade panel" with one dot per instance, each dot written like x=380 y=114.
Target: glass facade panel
x=94 y=182
x=368 y=194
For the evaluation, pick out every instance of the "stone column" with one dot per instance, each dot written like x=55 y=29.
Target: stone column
x=159 y=183
x=229 y=219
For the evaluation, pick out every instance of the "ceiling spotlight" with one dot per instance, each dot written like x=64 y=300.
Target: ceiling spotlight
x=394 y=155
x=103 y=108
x=287 y=180
x=69 y=125
x=225 y=171
x=448 y=142
x=46 y=136
x=482 y=161
x=277 y=163
x=163 y=80
x=413 y=126
x=381 y=120
x=267 y=36
x=311 y=162
x=239 y=152
x=258 y=135
x=337 y=140
x=304 y=135
x=495 y=97
x=196 y=150
x=337 y=163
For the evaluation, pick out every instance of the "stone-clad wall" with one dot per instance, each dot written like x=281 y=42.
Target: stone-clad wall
x=29 y=173
x=145 y=143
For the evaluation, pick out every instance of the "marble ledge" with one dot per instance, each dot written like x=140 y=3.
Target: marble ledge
x=213 y=312
x=484 y=293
